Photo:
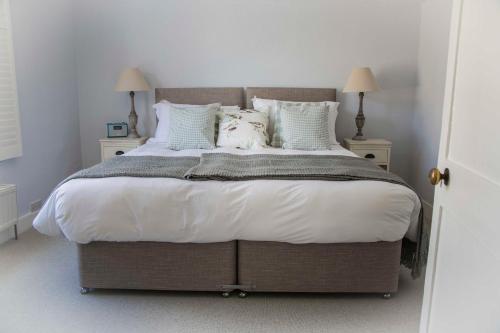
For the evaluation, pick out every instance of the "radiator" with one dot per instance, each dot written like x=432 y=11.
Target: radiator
x=8 y=207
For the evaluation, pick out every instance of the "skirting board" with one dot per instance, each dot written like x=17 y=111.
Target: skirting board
x=427 y=212
x=25 y=223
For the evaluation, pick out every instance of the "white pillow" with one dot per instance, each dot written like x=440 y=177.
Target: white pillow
x=223 y=110
x=162 y=110
x=220 y=115
x=267 y=106
x=333 y=112
x=245 y=129
x=270 y=105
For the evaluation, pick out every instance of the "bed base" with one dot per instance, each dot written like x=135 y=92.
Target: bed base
x=322 y=268
x=157 y=265
x=246 y=266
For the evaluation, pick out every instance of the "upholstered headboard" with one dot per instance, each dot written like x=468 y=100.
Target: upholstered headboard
x=291 y=94
x=238 y=96
x=201 y=96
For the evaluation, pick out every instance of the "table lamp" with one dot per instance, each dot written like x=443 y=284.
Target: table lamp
x=132 y=80
x=361 y=80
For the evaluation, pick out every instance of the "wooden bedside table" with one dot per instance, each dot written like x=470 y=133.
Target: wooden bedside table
x=377 y=150
x=111 y=147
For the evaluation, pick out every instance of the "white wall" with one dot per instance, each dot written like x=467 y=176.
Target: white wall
x=249 y=43
x=46 y=77
x=426 y=122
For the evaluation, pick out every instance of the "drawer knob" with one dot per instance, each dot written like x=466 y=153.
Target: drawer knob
x=370 y=156
x=119 y=152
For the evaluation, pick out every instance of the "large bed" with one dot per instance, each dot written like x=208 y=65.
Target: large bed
x=256 y=235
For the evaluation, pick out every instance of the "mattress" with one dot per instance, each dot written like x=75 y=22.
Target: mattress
x=174 y=210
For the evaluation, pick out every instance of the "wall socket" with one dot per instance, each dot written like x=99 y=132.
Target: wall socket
x=35 y=206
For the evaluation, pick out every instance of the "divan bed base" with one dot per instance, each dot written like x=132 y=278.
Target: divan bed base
x=157 y=265
x=243 y=265
x=323 y=268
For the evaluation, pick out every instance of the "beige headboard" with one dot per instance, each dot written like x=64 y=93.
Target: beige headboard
x=291 y=94
x=201 y=96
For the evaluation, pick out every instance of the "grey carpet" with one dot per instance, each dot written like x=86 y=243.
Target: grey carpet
x=39 y=293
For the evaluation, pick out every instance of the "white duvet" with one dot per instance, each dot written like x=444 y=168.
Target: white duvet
x=173 y=210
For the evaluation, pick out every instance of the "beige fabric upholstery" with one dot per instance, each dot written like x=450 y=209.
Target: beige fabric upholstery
x=157 y=266
x=258 y=266
x=290 y=94
x=241 y=97
x=344 y=267
x=201 y=96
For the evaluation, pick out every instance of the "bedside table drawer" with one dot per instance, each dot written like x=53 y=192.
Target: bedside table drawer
x=119 y=146
x=375 y=155
x=110 y=151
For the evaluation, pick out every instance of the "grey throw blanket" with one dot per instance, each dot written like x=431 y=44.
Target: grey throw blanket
x=139 y=166
x=223 y=166
x=229 y=167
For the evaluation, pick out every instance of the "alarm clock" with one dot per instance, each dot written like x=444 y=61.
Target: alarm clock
x=117 y=130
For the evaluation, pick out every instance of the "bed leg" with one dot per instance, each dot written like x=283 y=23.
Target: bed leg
x=84 y=290
x=227 y=289
x=387 y=296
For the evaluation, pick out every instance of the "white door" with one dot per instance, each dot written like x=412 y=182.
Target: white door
x=462 y=284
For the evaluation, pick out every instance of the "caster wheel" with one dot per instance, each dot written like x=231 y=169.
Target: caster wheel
x=84 y=290
x=387 y=296
x=242 y=294
x=226 y=294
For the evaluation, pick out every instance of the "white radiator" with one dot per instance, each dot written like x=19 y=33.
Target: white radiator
x=8 y=207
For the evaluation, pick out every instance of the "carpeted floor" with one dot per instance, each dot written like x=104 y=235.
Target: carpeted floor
x=39 y=293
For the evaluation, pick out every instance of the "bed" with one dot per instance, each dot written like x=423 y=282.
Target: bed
x=258 y=235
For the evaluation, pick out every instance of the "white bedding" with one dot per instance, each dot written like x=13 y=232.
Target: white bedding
x=173 y=210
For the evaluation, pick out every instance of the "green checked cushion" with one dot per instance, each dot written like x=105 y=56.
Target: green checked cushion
x=302 y=126
x=192 y=128
x=275 y=120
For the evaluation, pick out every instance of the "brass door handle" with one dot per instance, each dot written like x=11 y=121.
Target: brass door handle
x=435 y=176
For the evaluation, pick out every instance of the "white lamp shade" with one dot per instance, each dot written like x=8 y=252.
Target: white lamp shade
x=361 y=80
x=131 y=79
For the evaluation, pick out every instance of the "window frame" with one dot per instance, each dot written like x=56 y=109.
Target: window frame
x=17 y=149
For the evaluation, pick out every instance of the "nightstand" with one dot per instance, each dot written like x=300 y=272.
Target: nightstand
x=377 y=150
x=111 y=147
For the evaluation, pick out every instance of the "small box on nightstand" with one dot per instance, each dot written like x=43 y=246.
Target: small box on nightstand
x=377 y=150
x=111 y=147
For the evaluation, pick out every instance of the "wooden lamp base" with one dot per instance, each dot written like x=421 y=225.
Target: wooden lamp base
x=132 y=119
x=360 y=120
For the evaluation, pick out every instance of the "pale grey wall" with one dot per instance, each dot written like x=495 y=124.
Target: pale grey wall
x=46 y=77
x=426 y=122
x=246 y=43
